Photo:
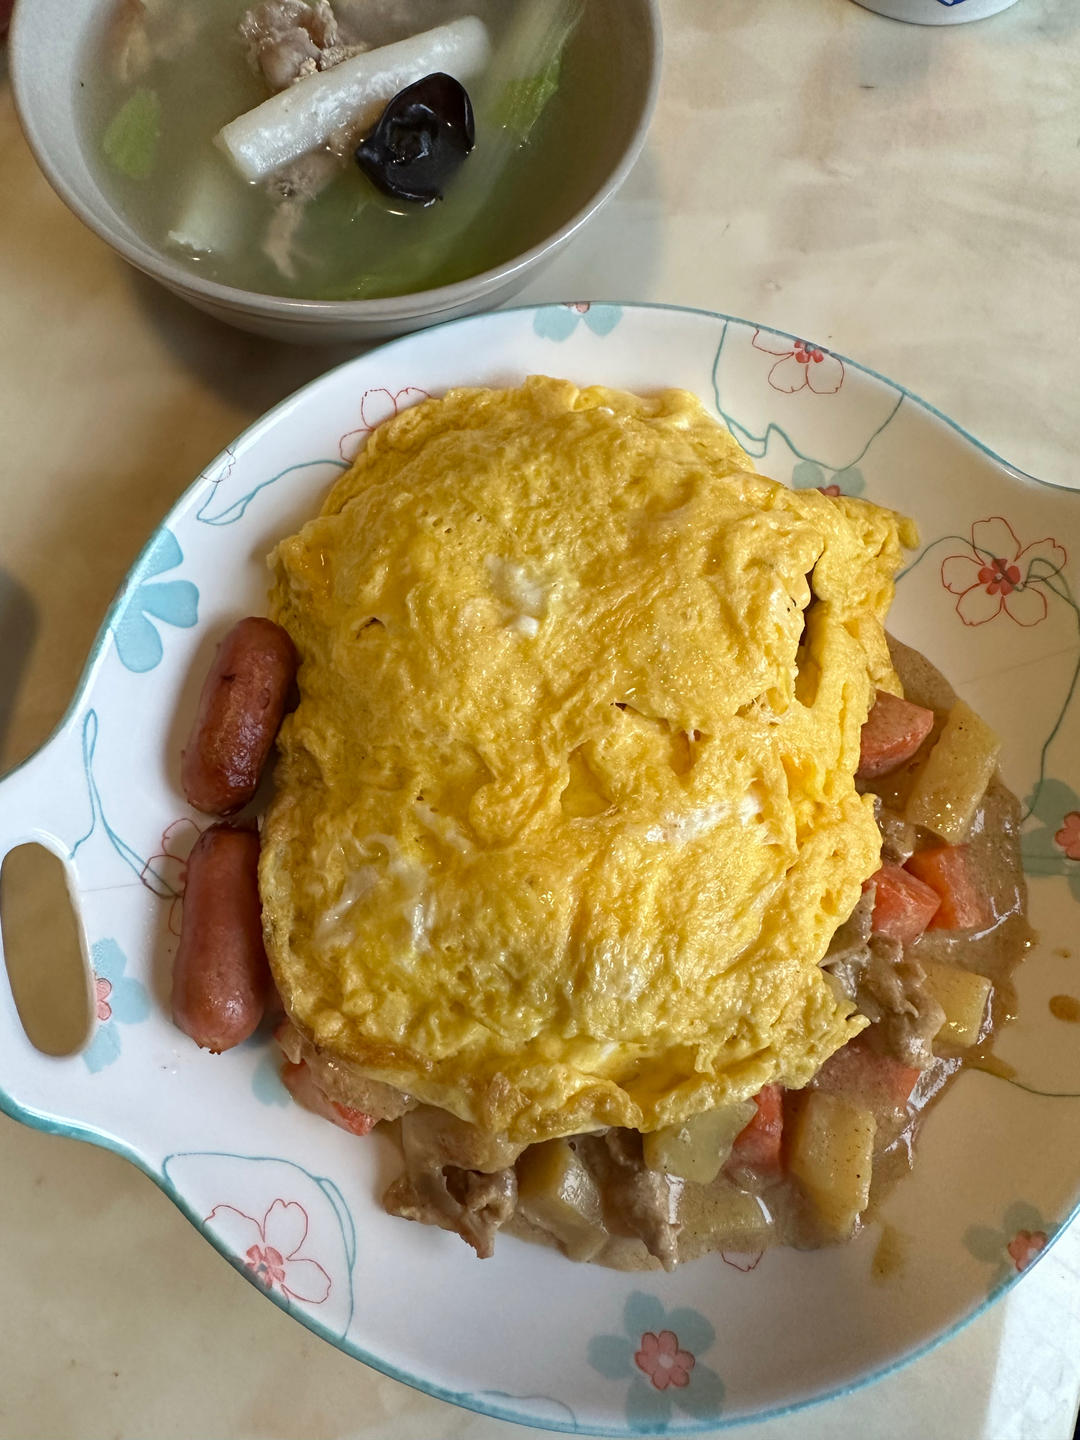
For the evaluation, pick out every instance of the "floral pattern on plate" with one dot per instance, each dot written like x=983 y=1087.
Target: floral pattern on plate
x=659 y=1354
x=285 y=1229
x=996 y=575
x=797 y=406
x=800 y=365
x=558 y=322
x=119 y=999
x=172 y=602
x=271 y=1249
x=376 y=406
x=1023 y=1236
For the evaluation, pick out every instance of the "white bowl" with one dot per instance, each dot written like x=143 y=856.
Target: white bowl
x=529 y=1336
x=49 y=53
x=937 y=12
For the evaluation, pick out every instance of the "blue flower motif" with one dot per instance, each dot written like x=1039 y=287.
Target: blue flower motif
x=176 y=602
x=1023 y=1236
x=1042 y=846
x=659 y=1353
x=119 y=1001
x=558 y=322
x=808 y=475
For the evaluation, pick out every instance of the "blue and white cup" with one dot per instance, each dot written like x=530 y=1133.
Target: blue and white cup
x=937 y=12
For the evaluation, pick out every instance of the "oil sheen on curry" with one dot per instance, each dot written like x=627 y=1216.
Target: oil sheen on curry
x=607 y=863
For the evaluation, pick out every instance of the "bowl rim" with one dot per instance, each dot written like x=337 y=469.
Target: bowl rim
x=435 y=302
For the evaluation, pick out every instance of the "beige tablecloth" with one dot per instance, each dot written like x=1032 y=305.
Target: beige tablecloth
x=910 y=197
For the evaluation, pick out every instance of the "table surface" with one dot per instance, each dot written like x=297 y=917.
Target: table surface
x=907 y=196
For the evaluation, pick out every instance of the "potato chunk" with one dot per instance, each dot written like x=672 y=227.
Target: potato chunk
x=962 y=995
x=831 y=1155
x=557 y=1193
x=698 y=1147
x=954 y=778
x=735 y=1219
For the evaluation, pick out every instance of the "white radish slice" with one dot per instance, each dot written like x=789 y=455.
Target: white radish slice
x=306 y=115
x=209 y=223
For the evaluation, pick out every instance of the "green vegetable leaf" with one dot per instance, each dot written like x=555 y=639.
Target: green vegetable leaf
x=522 y=102
x=131 y=140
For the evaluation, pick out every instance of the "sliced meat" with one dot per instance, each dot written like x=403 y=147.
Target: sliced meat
x=291 y=189
x=128 y=41
x=446 y=1182
x=144 y=32
x=340 y=1081
x=287 y=39
x=489 y=1199
x=305 y=178
x=637 y=1201
x=850 y=938
x=898 y=836
x=848 y=972
x=892 y=992
x=849 y=949
x=282 y=230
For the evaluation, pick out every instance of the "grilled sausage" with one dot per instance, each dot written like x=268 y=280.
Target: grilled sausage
x=221 y=976
x=240 y=709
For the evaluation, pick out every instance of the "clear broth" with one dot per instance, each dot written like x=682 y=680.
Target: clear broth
x=352 y=242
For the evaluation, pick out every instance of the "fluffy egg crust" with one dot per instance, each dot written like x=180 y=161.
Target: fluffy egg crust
x=565 y=817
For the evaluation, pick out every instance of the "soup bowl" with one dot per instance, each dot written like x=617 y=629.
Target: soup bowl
x=51 y=62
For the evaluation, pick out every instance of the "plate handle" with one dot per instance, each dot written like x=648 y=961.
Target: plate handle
x=41 y=801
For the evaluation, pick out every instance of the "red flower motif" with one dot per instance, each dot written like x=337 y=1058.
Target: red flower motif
x=268 y=1265
x=165 y=873
x=581 y=307
x=377 y=406
x=739 y=1261
x=271 y=1249
x=832 y=490
x=662 y=1361
x=800 y=366
x=227 y=468
x=1068 y=837
x=102 y=990
x=1000 y=574
x=1025 y=1245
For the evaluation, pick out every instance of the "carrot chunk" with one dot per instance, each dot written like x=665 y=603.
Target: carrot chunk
x=867 y=1076
x=904 y=905
x=947 y=869
x=757 y=1145
x=893 y=731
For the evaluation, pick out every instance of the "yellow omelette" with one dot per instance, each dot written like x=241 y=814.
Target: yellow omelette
x=566 y=816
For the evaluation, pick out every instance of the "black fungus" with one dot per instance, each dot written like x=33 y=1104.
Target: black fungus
x=422 y=137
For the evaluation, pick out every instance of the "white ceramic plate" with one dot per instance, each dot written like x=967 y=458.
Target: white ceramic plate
x=293 y=1202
